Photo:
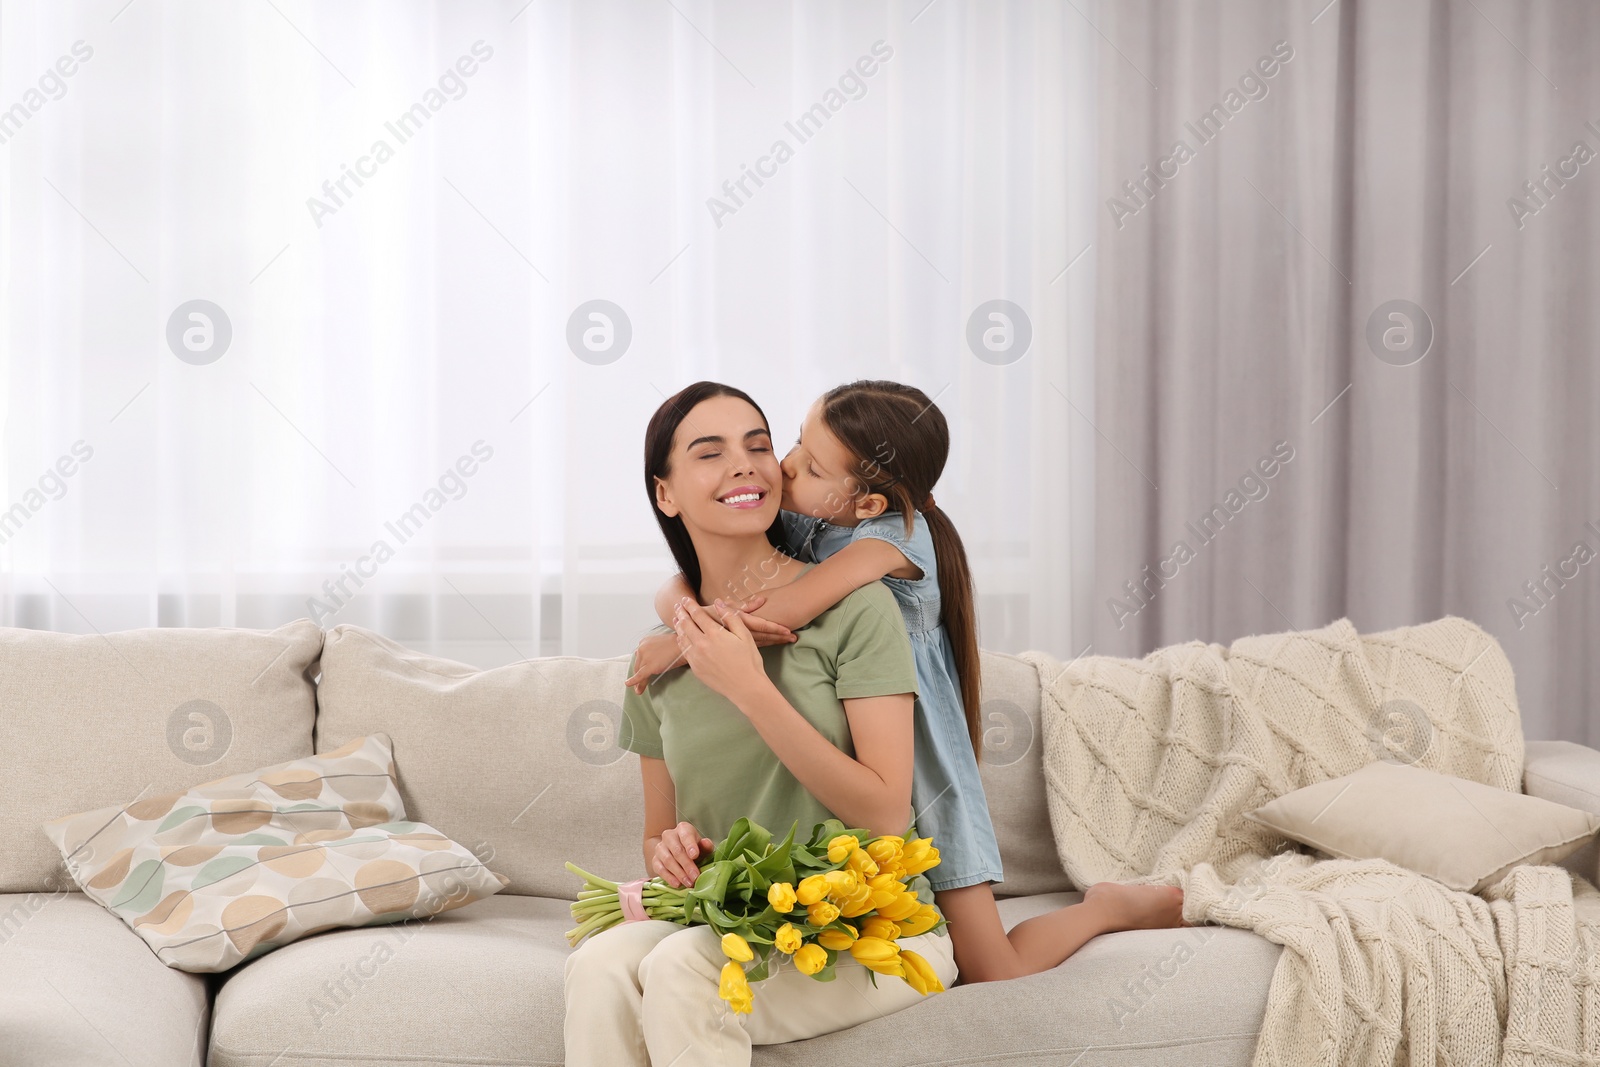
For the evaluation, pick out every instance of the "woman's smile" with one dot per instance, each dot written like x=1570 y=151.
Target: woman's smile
x=744 y=497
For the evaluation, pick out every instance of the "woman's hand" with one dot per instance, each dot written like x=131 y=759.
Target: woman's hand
x=765 y=631
x=656 y=653
x=676 y=852
x=722 y=654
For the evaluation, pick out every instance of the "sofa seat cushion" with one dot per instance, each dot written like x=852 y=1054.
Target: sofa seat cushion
x=78 y=987
x=484 y=986
x=479 y=986
x=1124 y=999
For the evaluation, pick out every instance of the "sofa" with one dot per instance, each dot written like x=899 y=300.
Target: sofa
x=520 y=765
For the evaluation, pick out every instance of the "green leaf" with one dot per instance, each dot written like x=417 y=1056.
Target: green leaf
x=757 y=839
x=757 y=883
x=726 y=847
x=713 y=881
x=768 y=919
x=717 y=919
x=823 y=832
x=776 y=865
x=745 y=835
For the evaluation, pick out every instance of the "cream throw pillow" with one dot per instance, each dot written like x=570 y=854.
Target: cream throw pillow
x=1462 y=833
x=228 y=870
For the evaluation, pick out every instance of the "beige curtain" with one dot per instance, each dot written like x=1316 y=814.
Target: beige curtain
x=1346 y=333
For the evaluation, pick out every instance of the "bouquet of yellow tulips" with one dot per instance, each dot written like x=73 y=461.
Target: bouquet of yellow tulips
x=840 y=891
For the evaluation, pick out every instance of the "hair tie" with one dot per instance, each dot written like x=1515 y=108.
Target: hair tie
x=927 y=505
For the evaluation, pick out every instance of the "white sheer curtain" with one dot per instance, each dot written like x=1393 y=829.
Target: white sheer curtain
x=398 y=209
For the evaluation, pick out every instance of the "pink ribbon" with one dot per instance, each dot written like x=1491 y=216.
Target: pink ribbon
x=630 y=896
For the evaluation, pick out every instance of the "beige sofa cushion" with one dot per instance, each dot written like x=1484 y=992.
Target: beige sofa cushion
x=1459 y=832
x=1013 y=778
x=77 y=987
x=519 y=763
x=234 y=868
x=483 y=986
x=92 y=720
x=1567 y=773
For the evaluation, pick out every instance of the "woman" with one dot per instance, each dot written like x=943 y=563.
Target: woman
x=817 y=728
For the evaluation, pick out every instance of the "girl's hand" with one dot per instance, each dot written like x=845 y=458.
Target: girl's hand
x=676 y=852
x=722 y=654
x=656 y=653
x=765 y=631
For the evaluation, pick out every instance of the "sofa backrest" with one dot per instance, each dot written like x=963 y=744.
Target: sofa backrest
x=1012 y=767
x=87 y=721
x=520 y=763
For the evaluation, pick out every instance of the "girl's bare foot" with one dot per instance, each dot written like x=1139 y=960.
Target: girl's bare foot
x=1137 y=907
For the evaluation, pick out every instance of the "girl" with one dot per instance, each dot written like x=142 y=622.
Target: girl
x=805 y=730
x=857 y=494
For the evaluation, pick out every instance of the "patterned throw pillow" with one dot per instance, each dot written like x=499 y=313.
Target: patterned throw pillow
x=228 y=870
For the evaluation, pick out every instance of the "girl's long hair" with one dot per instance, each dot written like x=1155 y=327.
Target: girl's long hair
x=658 y=437
x=900 y=441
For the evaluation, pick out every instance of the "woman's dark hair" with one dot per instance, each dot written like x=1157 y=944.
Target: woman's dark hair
x=899 y=441
x=658 y=461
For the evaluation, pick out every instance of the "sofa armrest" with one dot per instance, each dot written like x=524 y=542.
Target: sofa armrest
x=1566 y=773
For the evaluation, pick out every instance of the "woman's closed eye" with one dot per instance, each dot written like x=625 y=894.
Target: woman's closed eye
x=714 y=455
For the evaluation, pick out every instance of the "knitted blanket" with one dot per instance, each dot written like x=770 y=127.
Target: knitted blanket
x=1151 y=764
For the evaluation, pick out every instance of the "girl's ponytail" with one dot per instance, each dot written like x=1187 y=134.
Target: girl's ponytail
x=901 y=441
x=960 y=617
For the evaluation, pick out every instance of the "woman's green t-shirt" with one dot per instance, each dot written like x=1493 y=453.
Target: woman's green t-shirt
x=721 y=768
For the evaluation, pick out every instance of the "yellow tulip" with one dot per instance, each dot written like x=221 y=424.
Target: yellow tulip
x=878 y=926
x=841 y=883
x=858 y=904
x=841 y=847
x=883 y=897
x=920 y=974
x=838 y=940
x=822 y=913
x=811 y=890
x=734 y=987
x=741 y=1005
x=920 y=855
x=787 y=939
x=876 y=954
x=920 y=921
x=862 y=863
x=886 y=850
x=781 y=896
x=736 y=948
x=868 y=947
x=902 y=907
x=810 y=959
